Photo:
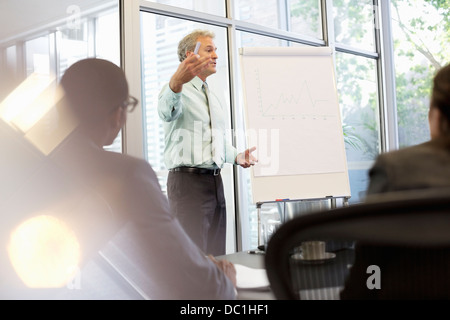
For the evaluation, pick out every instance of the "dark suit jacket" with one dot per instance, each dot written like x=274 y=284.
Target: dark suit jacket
x=406 y=273
x=159 y=257
x=423 y=166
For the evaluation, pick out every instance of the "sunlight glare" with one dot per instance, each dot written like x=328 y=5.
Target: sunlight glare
x=44 y=252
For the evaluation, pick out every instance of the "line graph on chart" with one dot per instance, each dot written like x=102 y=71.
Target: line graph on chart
x=301 y=104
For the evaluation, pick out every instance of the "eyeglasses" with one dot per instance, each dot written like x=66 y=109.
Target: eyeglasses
x=130 y=104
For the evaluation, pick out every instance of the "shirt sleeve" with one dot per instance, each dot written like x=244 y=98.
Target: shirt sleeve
x=169 y=104
x=230 y=153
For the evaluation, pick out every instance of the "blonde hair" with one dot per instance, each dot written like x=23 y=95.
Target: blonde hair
x=189 y=41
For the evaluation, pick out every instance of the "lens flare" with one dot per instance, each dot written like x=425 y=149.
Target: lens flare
x=44 y=252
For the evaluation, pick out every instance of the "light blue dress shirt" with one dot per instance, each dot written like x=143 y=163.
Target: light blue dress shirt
x=187 y=127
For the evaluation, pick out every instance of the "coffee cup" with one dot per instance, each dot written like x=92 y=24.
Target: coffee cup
x=313 y=250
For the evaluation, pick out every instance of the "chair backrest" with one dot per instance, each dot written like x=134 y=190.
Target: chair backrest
x=405 y=219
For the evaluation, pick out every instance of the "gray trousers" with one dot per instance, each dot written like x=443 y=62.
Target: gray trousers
x=198 y=201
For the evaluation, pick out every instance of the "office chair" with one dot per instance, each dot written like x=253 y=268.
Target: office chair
x=407 y=220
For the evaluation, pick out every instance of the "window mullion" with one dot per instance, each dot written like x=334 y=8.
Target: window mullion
x=386 y=77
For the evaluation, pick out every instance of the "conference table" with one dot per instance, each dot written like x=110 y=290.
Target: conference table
x=313 y=281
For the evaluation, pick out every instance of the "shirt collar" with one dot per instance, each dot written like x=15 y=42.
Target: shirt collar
x=197 y=83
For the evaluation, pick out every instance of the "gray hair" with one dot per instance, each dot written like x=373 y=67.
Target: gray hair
x=189 y=41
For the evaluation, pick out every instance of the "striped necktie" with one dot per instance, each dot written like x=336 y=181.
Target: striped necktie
x=217 y=133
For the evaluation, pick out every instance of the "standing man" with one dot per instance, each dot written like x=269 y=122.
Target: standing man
x=196 y=146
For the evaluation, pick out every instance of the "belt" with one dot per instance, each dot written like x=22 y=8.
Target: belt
x=214 y=172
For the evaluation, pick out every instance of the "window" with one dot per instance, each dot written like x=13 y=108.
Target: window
x=216 y=7
x=421 y=36
x=354 y=28
x=160 y=38
x=305 y=17
x=60 y=36
x=300 y=16
x=354 y=23
x=264 y=13
x=358 y=99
